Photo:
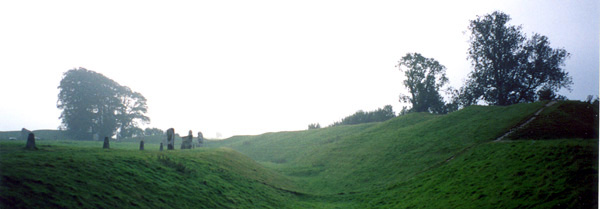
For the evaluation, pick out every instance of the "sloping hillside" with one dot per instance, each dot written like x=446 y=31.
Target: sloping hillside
x=413 y=161
x=431 y=161
x=559 y=173
x=368 y=156
x=568 y=119
x=83 y=177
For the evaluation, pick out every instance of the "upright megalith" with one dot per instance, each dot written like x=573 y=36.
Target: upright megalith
x=189 y=140
x=106 y=145
x=186 y=142
x=25 y=134
x=200 y=139
x=161 y=146
x=171 y=139
x=142 y=145
x=30 y=142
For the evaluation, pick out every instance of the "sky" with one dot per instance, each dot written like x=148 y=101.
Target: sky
x=249 y=67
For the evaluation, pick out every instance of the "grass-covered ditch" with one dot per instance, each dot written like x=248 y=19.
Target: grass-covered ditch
x=72 y=176
x=414 y=161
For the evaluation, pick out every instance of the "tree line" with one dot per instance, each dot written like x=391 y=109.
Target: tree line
x=379 y=115
x=508 y=68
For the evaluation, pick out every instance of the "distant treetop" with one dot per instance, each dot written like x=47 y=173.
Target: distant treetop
x=381 y=114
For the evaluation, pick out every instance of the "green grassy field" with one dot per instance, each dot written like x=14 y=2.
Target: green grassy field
x=368 y=156
x=522 y=174
x=413 y=161
x=79 y=175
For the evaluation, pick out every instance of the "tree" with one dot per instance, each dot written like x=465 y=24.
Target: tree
x=425 y=77
x=134 y=107
x=314 y=126
x=93 y=104
x=508 y=68
x=546 y=94
x=135 y=132
x=381 y=114
x=153 y=132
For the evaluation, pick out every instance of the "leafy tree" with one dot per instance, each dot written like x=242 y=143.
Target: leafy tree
x=381 y=114
x=135 y=131
x=545 y=94
x=153 y=132
x=94 y=104
x=134 y=108
x=425 y=77
x=508 y=68
x=314 y=126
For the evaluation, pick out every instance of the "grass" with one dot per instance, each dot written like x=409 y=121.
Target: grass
x=358 y=158
x=80 y=176
x=559 y=173
x=565 y=119
x=414 y=161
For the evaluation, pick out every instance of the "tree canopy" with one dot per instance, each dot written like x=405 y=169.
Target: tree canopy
x=425 y=77
x=314 y=126
x=93 y=104
x=508 y=67
x=154 y=132
x=381 y=114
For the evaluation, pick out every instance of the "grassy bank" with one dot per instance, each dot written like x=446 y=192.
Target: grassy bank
x=520 y=174
x=414 y=161
x=81 y=176
x=357 y=158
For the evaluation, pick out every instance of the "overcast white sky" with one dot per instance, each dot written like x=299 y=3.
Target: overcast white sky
x=249 y=67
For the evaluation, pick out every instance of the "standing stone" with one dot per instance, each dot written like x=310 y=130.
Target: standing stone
x=106 y=145
x=25 y=134
x=171 y=139
x=183 y=145
x=200 y=139
x=190 y=140
x=142 y=145
x=186 y=142
x=161 y=146
x=31 y=142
